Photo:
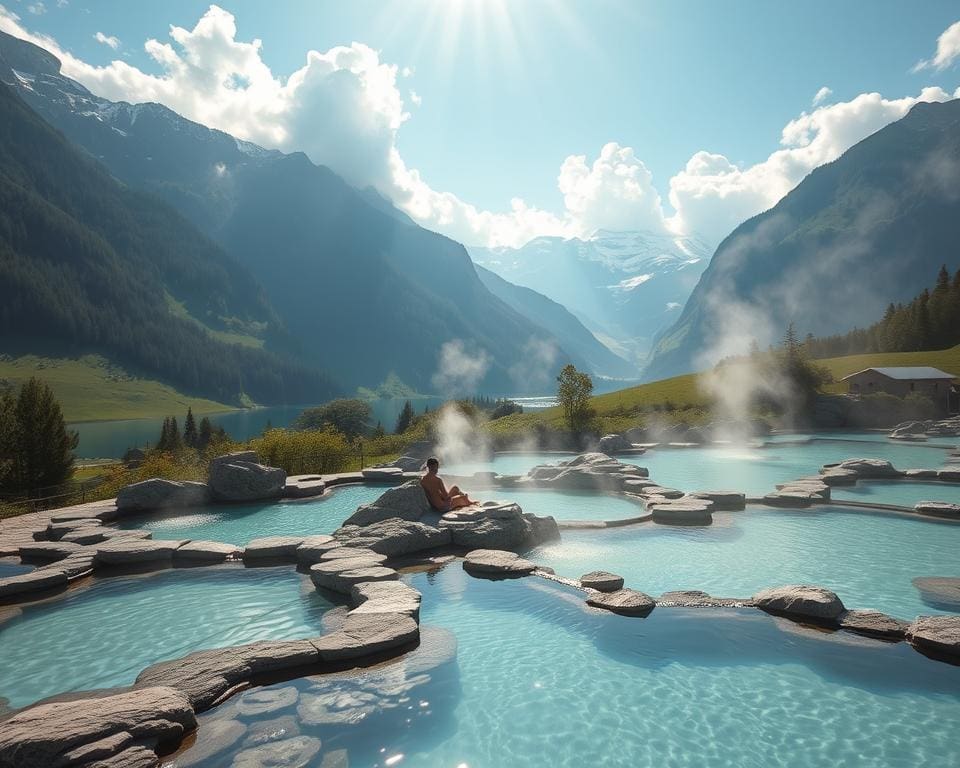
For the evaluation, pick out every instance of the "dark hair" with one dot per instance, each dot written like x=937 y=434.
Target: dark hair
x=433 y=461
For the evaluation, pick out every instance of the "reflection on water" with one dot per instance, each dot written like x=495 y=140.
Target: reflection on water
x=535 y=678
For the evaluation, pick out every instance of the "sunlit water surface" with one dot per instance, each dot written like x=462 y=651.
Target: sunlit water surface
x=106 y=634
x=540 y=680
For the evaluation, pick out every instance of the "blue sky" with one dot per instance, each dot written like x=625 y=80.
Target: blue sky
x=526 y=84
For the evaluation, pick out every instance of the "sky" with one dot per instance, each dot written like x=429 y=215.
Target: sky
x=496 y=121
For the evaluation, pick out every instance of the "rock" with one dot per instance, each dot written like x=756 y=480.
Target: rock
x=364 y=634
x=49 y=550
x=588 y=471
x=806 y=485
x=295 y=752
x=273 y=548
x=950 y=475
x=394 y=537
x=694 y=598
x=666 y=493
x=794 y=499
x=637 y=485
x=33 y=581
x=314 y=547
x=238 y=477
x=56 y=531
x=126 y=551
x=303 y=486
x=344 y=580
x=939 y=634
x=723 y=500
x=205 y=676
x=266 y=731
x=497 y=561
x=407 y=502
x=98 y=750
x=385 y=597
x=408 y=463
x=352 y=553
x=626 y=602
x=873 y=624
x=942 y=592
x=870 y=468
x=41 y=735
x=158 y=493
x=206 y=551
x=136 y=756
x=686 y=511
x=611 y=444
x=87 y=536
x=920 y=474
x=213 y=738
x=264 y=701
x=498 y=526
x=801 y=601
x=391 y=474
x=836 y=476
x=938 y=509
x=602 y=581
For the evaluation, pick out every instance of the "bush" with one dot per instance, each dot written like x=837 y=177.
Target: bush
x=310 y=451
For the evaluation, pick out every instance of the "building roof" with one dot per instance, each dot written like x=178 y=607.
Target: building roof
x=907 y=373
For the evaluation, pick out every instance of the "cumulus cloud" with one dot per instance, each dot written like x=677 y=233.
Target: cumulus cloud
x=108 y=40
x=822 y=95
x=344 y=108
x=711 y=195
x=37 y=8
x=948 y=50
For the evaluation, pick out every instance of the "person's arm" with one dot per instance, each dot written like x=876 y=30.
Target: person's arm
x=443 y=490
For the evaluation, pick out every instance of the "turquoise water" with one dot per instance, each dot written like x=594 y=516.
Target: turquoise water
x=567 y=505
x=868 y=559
x=900 y=492
x=107 y=634
x=240 y=523
x=504 y=463
x=540 y=680
x=756 y=471
x=13 y=567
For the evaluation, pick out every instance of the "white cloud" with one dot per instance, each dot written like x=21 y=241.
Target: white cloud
x=415 y=97
x=822 y=95
x=37 y=8
x=711 y=195
x=108 y=40
x=948 y=50
x=344 y=109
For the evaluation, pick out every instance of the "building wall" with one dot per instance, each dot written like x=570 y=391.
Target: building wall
x=868 y=382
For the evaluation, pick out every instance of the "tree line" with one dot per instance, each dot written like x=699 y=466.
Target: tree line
x=931 y=321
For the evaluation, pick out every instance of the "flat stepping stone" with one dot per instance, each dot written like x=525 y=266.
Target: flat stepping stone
x=874 y=624
x=602 y=581
x=836 y=476
x=920 y=474
x=731 y=501
x=367 y=634
x=344 y=580
x=206 y=551
x=304 y=486
x=351 y=553
x=941 y=592
x=626 y=602
x=124 y=551
x=49 y=550
x=56 y=531
x=315 y=547
x=217 y=736
x=801 y=601
x=950 y=475
x=273 y=547
x=667 y=493
x=870 y=468
x=791 y=499
x=92 y=535
x=938 y=509
x=499 y=561
x=263 y=701
x=34 y=581
x=685 y=511
x=385 y=597
x=940 y=634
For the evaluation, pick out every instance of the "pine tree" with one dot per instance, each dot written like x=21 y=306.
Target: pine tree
x=163 y=444
x=943 y=279
x=379 y=431
x=44 y=447
x=405 y=419
x=206 y=433
x=190 y=436
x=176 y=442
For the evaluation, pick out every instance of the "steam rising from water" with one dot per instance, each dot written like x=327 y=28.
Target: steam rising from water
x=459 y=371
x=457 y=439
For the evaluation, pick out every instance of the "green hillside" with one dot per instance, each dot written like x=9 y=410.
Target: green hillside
x=90 y=388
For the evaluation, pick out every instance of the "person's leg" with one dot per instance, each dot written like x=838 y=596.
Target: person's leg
x=459 y=501
x=455 y=491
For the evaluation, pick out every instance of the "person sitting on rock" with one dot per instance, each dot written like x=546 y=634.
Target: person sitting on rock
x=439 y=497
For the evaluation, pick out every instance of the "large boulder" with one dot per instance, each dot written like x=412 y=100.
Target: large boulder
x=239 y=477
x=498 y=526
x=406 y=502
x=801 y=602
x=56 y=733
x=611 y=444
x=871 y=468
x=393 y=537
x=158 y=493
x=939 y=634
x=588 y=471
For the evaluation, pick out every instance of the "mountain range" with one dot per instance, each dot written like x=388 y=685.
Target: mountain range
x=866 y=230
x=361 y=289
x=626 y=287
